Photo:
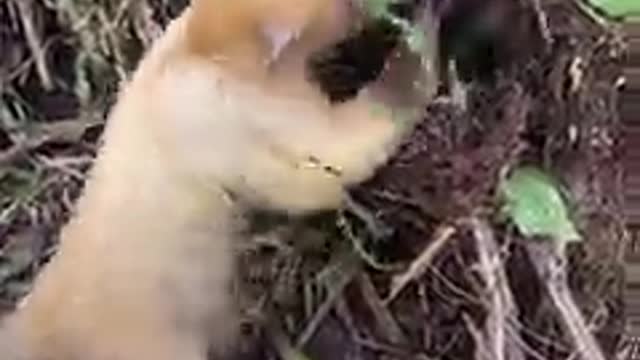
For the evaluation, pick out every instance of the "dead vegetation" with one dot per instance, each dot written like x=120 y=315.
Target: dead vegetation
x=442 y=276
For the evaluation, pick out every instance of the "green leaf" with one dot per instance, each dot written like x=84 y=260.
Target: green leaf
x=618 y=8
x=535 y=205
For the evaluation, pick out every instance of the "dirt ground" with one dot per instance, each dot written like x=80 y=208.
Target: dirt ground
x=418 y=287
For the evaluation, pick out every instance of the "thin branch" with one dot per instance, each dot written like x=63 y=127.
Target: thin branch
x=499 y=342
x=543 y=23
x=348 y=269
x=384 y=321
x=34 y=42
x=60 y=131
x=551 y=268
x=419 y=265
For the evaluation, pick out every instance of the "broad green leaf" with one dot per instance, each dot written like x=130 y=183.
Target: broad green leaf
x=535 y=205
x=618 y=8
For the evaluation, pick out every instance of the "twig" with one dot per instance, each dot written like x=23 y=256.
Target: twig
x=67 y=165
x=377 y=229
x=489 y=261
x=543 y=340
x=481 y=350
x=385 y=323
x=543 y=23
x=349 y=270
x=420 y=264
x=456 y=290
x=369 y=259
x=524 y=347
x=33 y=41
x=551 y=267
x=60 y=131
x=499 y=341
x=396 y=352
x=283 y=346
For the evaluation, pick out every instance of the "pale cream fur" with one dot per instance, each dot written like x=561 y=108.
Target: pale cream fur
x=143 y=268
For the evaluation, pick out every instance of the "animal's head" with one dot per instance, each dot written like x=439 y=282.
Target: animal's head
x=258 y=135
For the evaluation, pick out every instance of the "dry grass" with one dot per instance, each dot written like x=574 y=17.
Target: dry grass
x=61 y=64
